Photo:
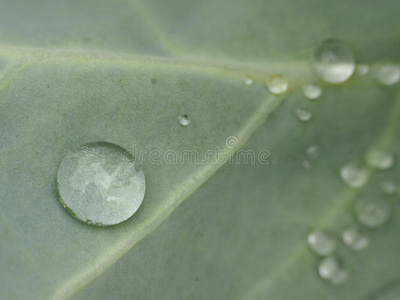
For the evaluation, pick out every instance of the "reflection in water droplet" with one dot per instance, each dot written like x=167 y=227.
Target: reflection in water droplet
x=353 y=238
x=354 y=176
x=313 y=152
x=303 y=114
x=184 y=120
x=389 y=74
x=333 y=61
x=379 y=160
x=372 y=212
x=331 y=270
x=248 y=80
x=277 y=84
x=321 y=243
x=362 y=69
x=99 y=184
x=389 y=187
x=312 y=91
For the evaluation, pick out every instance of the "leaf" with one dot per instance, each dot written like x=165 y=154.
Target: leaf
x=74 y=72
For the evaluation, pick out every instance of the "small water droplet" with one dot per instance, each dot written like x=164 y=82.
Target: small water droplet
x=389 y=187
x=98 y=185
x=333 y=61
x=303 y=114
x=389 y=74
x=312 y=91
x=379 y=159
x=362 y=69
x=321 y=243
x=184 y=120
x=354 y=176
x=312 y=152
x=248 y=80
x=353 y=238
x=277 y=84
x=372 y=212
x=331 y=270
x=307 y=164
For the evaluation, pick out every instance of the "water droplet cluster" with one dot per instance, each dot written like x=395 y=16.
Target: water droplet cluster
x=333 y=63
x=370 y=213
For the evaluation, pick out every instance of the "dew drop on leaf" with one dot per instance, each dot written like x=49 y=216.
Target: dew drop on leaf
x=303 y=114
x=354 y=176
x=99 y=184
x=388 y=74
x=184 y=120
x=362 y=69
x=354 y=239
x=333 y=61
x=277 y=84
x=248 y=80
x=307 y=164
x=312 y=91
x=321 y=243
x=379 y=160
x=312 y=152
x=372 y=212
x=331 y=270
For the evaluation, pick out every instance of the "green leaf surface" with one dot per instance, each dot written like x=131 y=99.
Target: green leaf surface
x=73 y=72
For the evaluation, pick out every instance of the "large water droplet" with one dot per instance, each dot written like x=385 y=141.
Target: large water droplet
x=353 y=238
x=389 y=187
x=379 y=160
x=303 y=114
x=333 y=61
x=354 y=176
x=184 y=120
x=99 y=184
x=362 y=70
x=312 y=91
x=389 y=74
x=321 y=243
x=312 y=152
x=277 y=84
x=331 y=270
x=372 y=212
